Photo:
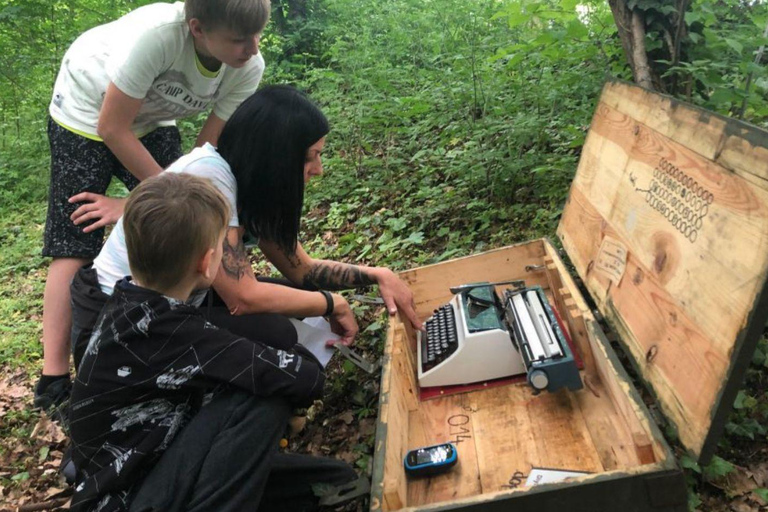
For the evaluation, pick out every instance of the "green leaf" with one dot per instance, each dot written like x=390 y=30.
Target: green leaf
x=518 y=19
x=416 y=238
x=20 y=477
x=577 y=30
x=363 y=462
x=719 y=467
x=396 y=223
x=694 y=500
x=762 y=492
x=44 y=451
x=739 y=402
x=723 y=95
x=667 y=9
x=758 y=358
x=689 y=463
x=735 y=45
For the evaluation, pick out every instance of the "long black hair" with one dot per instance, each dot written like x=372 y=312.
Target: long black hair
x=265 y=143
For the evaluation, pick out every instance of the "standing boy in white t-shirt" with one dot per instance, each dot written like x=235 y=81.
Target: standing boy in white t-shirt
x=119 y=91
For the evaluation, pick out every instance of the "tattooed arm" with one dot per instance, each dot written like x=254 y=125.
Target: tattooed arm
x=332 y=275
x=243 y=294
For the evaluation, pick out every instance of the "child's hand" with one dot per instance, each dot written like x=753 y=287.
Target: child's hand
x=104 y=210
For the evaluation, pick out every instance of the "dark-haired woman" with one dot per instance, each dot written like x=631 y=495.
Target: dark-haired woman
x=268 y=150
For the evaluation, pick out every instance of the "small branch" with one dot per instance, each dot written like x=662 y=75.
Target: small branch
x=639 y=55
x=680 y=28
x=679 y=33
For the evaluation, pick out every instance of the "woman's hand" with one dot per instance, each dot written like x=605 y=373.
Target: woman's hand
x=105 y=210
x=342 y=321
x=397 y=296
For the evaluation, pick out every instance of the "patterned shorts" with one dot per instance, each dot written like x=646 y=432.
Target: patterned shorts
x=79 y=165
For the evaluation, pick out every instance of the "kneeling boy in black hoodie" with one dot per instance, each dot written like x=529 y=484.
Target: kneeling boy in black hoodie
x=169 y=412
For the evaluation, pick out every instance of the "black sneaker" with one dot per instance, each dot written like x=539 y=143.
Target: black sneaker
x=54 y=399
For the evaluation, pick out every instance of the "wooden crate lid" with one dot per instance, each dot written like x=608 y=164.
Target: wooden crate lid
x=667 y=224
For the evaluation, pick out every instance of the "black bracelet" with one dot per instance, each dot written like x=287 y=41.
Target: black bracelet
x=329 y=300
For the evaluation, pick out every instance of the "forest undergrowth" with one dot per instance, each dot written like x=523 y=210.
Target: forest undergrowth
x=456 y=127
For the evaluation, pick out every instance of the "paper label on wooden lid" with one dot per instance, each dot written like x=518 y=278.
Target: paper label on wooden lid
x=612 y=259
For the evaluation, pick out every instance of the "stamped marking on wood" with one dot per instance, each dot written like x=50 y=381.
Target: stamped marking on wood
x=457 y=427
x=612 y=259
x=678 y=197
x=517 y=479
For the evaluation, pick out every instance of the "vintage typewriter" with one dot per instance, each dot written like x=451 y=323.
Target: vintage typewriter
x=478 y=337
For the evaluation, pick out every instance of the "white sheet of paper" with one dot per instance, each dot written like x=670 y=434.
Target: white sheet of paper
x=313 y=333
x=548 y=476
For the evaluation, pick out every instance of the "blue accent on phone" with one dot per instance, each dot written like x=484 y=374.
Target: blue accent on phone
x=430 y=460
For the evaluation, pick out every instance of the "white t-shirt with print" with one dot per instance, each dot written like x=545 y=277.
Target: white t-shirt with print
x=148 y=54
x=112 y=262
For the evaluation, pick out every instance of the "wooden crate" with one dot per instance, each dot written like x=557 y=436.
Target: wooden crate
x=667 y=225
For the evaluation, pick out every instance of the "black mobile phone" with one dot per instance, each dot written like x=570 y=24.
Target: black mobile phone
x=430 y=460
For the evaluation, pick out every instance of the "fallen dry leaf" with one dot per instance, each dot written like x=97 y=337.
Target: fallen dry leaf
x=48 y=431
x=13 y=391
x=297 y=424
x=347 y=417
x=741 y=505
x=54 y=492
x=367 y=427
x=347 y=457
x=760 y=474
x=739 y=482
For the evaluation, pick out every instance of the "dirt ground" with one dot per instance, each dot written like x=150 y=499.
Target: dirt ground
x=342 y=426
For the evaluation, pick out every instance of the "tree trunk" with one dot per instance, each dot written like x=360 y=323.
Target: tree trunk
x=631 y=26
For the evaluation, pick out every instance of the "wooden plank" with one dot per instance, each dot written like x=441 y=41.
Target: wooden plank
x=579 y=335
x=505 y=437
x=565 y=442
x=730 y=245
x=604 y=377
x=555 y=283
x=569 y=313
x=607 y=428
x=696 y=235
x=442 y=420
x=733 y=144
x=516 y=430
x=394 y=414
x=404 y=364
x=684 y=369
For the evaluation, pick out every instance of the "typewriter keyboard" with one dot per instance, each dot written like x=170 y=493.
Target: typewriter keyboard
x=441 y=339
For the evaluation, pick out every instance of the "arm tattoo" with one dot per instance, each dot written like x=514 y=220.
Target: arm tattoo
x=293 y=259
x=235 y=260
x=328 y=275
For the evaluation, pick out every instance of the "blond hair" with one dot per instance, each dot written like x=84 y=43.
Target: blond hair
x=170 y=221
x=242 y=16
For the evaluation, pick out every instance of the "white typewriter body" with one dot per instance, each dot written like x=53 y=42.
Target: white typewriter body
x=480 y=356
x=519 y=335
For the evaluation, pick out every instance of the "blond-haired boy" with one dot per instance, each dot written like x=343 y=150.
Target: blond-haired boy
x=120 y=89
